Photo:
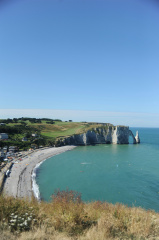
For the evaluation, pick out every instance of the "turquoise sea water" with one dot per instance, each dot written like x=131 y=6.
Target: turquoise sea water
x=128 y=174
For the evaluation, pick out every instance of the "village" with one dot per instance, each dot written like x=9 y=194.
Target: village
x=10 y=155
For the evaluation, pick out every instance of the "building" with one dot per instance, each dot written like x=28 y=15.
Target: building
x=34 y=135
x=13 y=149
x=5 y=149
x=3 y=136
x=2 y=154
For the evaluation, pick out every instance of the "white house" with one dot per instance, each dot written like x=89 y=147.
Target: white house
x=3 y=136
x=34 y=135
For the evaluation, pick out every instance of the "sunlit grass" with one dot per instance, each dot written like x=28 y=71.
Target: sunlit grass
x=62 y=132
x=59 y=128
x=67 y=217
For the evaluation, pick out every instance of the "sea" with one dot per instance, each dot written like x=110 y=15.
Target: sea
x=127 y=174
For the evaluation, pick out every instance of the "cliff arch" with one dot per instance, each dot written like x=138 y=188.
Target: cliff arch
x=114 y=135
x=132 y=135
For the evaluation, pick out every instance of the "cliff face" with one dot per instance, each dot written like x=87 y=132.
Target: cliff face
x=114 y=135
x=137 y=137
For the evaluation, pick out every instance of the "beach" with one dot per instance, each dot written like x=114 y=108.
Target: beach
x=19 y=183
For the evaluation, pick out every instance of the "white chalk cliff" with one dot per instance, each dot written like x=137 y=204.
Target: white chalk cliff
x=137 y=137
x=109 y=135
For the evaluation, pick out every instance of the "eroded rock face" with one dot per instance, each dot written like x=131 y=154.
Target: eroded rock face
x=137 y=137
x=120 y=135
x=114 y=135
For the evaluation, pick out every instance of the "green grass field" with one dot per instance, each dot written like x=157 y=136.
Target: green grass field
x=61 y=129
x=50 y=129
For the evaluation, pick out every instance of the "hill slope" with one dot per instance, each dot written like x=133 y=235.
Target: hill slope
x=46 y=130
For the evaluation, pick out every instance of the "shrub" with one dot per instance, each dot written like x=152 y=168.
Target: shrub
x=18 y=214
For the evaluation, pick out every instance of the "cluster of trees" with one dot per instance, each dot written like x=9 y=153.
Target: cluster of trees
x=19 y=144
x=41 y=141
x=17 y=129
x=50 y=122
x=31 y=120
x=6 y=120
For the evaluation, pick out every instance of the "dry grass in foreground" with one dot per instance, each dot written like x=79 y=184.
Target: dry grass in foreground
x=68 y=218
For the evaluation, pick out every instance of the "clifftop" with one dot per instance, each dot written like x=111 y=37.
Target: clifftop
x=46 y=132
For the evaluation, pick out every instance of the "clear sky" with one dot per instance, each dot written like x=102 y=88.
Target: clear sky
x=86 y=55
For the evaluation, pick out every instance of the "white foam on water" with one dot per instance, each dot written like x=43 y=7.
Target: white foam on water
x=86 y=163
x=35 y=187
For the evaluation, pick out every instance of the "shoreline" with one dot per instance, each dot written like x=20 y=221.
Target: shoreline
x=34 y=185
x=20 y=182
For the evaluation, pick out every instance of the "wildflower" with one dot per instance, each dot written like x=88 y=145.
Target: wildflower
x=25 y=223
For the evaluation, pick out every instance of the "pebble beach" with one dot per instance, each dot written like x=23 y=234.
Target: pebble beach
x=19 y=183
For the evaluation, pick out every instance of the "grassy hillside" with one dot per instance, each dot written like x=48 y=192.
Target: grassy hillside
x=68 y=218
x=67 y=129
x=53 y=130
x=46 y=129
x=62 y=129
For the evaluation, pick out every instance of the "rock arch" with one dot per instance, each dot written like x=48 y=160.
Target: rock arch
x=132 y=135
x=115 y=135
x=136 y=139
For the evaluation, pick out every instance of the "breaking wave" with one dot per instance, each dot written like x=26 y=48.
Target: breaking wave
x=35 y=187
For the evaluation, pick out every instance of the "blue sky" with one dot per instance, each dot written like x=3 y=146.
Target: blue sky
x=85 y=55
